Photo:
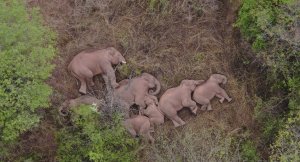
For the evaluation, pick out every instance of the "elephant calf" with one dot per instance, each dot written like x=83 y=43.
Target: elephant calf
x=206 y=91
x=139 y=125
x=135 y=90
x=87 y=64
x=175 y=99
x=152 y=111
x=85 y=99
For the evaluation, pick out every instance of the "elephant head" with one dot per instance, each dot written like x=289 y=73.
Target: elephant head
x=63 y=108
x=115 y=56
x=191 y=84
x=153 y=83
x=219 y=78
x=151 y=99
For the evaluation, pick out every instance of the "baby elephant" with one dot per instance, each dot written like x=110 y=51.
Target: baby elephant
x=177 y=98
x=85 y=99
x=87 y=64
x=139 y=125
x=206 y=91
x=152 y=111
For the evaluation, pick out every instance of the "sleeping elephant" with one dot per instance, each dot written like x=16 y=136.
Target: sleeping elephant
x=174 y=99
x=87 y=64
x=139 y=125
x=135 y=90
x=85 y=99
x=152 y=111
x=206 y=91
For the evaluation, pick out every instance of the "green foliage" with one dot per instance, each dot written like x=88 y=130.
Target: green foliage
x=249 y=152
x=90 y=140
x=263 y=114
x=270 y=26
x=26 y=47
x=287 y=144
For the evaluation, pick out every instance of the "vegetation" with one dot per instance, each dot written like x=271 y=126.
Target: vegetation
x=89 y=139
x=26 y=46
x=172 y=40
x=271 y=27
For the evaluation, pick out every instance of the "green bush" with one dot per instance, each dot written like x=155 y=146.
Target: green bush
x=249 y=152
x=270 y=26
x=90 y=140
x=287 y=144
x=26 y=48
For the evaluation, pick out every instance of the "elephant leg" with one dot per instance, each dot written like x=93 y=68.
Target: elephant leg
x=221 y=98
x=190 y=104
x=203 y=107
x=82 y=88
x=145 y=131
x=209 y=108
x=202 y=101
x=129 y=128
x=224 y=94
x=88 y=75
x=110 y=73
x=91 y=81
x=177 y=121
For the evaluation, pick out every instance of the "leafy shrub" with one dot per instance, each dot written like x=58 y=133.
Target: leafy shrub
x=271 y=28
x=26 y=47
x=287 y=144
x=249 y=152
x=90 y=140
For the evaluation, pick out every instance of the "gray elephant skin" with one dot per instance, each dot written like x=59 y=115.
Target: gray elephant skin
x=152 y=112
x=139 y=125
x=209 y=89
x=174 y=99
x=82 y=100
x=87 y=64
x=135 y=90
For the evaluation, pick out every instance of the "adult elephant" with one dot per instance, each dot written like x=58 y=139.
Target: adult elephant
x=174 y=99
x=87 y=64
x=135 y=90
x=208 y=90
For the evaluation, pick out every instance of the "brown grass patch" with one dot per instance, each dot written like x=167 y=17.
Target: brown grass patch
x=172 y=40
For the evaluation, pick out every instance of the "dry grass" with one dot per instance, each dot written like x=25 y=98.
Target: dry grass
x=173 y=40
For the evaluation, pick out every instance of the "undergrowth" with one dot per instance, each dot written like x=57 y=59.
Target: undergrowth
x=26 y=48
x=89 y=139
x=271 y=27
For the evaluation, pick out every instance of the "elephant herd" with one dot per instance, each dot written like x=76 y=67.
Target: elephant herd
x=142 y=91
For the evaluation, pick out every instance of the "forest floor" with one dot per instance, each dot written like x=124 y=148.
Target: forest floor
x=173 y=40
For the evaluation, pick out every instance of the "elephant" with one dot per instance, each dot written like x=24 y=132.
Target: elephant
x=152 y=111
x=135 y=90
x=139 y=125
x=85 y=99
x=87 y=64
x=210 y=88
x=174 y=99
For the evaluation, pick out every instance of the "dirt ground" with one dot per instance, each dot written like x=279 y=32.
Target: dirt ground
x=173 y=40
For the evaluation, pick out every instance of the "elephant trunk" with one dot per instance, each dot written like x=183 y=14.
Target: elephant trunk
x=224 y=79
x=61 y=109
x=157 y=88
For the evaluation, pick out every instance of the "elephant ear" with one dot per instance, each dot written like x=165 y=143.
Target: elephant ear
x=219 y=78
x=111 y=51
x=184 y=82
